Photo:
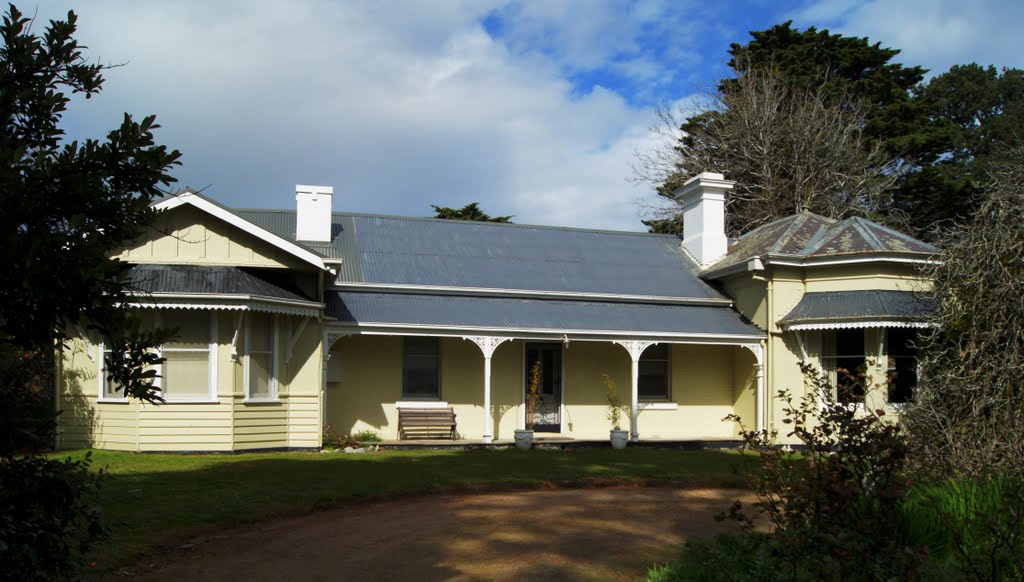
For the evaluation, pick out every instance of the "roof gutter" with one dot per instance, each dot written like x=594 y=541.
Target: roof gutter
x=529 y=294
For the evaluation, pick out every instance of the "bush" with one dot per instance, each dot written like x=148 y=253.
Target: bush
x=49 y=517
x=832 y=508
x=366 y=436
x=973 y=529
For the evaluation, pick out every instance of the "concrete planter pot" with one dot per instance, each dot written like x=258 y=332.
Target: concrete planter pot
x=524 y=439
x=620 y=438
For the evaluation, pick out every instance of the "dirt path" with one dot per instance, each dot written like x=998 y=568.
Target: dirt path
x=568 y=534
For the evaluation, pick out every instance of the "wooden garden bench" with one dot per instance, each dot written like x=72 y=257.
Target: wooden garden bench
x=426 y=423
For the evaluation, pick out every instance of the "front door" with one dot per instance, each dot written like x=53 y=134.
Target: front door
x=547 y=416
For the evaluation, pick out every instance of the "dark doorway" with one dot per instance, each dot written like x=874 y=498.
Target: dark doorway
x=548 y=415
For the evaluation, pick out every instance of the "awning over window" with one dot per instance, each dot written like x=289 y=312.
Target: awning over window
x=853 y=309
x=218 y=288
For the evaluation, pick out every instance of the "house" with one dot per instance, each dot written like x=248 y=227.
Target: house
x=291 y=319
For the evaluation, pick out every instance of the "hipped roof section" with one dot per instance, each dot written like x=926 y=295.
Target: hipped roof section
x=809 y=236
x=392 y=250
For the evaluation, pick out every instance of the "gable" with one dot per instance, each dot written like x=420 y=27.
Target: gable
x=190 y=236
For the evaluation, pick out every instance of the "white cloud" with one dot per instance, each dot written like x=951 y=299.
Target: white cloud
x=396 y=106
x=935 y=34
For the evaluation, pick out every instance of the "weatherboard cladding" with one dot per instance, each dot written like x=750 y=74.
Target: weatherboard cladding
x=432 y=311
x=859 y=305
x=450 y=253
x=192 y=279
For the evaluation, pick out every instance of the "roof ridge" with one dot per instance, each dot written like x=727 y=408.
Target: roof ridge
x=476 y=222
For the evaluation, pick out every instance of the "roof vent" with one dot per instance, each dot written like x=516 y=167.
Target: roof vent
x=703 y=201
x=313 y=213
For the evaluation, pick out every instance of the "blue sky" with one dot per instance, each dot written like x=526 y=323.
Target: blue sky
x=533 y=109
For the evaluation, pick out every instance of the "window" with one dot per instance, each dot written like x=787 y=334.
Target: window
x=654 y=378
x=187 y=369
x=843 y=360
x=902 y=376
x=262 y=362
x=421 y=377
x=108 y=390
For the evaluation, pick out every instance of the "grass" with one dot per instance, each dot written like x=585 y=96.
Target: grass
x=155 y=500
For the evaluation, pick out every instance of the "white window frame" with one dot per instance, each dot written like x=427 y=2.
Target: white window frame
x=275 y=353
x=828 y=360
x=211 y=350
x=101 y=395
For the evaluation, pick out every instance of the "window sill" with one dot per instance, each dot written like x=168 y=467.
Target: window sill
x=112 y=400
x=658 y=406
x=421 y=404
x=262 y=401
x=184 y=401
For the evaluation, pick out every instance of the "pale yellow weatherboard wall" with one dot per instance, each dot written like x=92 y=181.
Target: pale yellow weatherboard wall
x=709 y=382
x=188 y=236
x=223 y=424
x=765 y=301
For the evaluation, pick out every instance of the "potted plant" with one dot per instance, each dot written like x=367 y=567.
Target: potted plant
x=616 y=409
x=524 y=438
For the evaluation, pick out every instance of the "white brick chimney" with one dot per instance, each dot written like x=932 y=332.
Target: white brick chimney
x=703 y=201
x=313 y=213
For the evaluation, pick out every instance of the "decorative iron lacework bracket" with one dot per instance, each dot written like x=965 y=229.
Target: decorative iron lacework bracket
x=634 y=347
x=487 y=343
x=235 y=336
x=758 y=351
x=330 y=338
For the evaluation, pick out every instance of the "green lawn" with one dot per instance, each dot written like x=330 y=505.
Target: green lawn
x=152 y=500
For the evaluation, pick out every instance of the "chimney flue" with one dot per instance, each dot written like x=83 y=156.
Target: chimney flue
x=313 y=213
x=703 y=201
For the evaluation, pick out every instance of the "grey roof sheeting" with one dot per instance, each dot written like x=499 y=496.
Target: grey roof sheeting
x=200 y=280
x=848 y=306
x=392 y=250
x=368 y=308
x=808 y=235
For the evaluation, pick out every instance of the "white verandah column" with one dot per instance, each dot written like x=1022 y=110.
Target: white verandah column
x=636 y=349
x=487 y=345
x=761 y=397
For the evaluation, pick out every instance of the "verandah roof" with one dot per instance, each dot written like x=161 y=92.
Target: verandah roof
x=511 y=314
x=835 y=309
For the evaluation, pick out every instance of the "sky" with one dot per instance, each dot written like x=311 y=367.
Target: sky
x=532 y=109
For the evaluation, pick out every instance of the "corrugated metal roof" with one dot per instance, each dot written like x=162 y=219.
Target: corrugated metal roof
x=476 y=254
x=839 y=306
x=534 y=314
x=810 y=235
x=193 y=279
x=454 y=253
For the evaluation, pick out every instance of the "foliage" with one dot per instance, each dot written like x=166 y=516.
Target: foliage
x=615 y=408
x=532 y=394
x=367 y=436
x=832 y=507
x=789 y=148
x=49 y=516
x=470 y=211
x=966 y=416
x=804 y=123
x=332 y=440
x=967 y=118
x=973 y=528
x=64 y=208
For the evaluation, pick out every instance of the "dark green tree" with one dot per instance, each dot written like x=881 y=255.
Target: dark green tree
x=470 y=211
x=970 y=116
x=65 y=207
x=760 y=126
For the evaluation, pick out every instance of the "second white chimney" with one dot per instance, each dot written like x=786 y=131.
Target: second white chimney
x=703 y=201
x=313 y=213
